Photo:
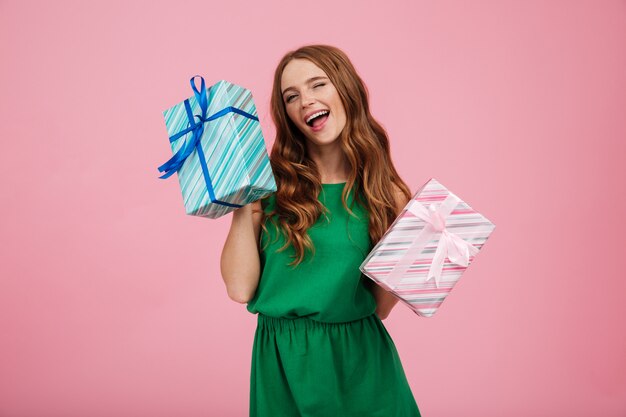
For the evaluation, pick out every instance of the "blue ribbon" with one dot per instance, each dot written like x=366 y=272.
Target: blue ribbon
x=177 y=161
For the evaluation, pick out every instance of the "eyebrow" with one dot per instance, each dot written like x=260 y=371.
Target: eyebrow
x=310 y=80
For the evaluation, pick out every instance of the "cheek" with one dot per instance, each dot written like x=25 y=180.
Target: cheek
x=292 y=116
x=341 y=112
x=338 y=105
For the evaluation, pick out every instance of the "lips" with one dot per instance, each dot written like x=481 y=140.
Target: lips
x=309 y=114
x=320 y=126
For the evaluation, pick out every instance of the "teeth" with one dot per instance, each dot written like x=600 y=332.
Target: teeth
x=314 y=115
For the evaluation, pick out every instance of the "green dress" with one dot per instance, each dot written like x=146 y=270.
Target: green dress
x=320 y=350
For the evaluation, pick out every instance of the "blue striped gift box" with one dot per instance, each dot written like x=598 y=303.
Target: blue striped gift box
x=226 y=164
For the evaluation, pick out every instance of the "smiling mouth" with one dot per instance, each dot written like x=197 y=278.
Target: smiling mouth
x=310 y=122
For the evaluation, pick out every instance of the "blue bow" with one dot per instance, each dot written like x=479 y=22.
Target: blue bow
x=177 y=161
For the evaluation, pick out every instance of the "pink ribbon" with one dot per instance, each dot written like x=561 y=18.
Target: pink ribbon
x=450 y=244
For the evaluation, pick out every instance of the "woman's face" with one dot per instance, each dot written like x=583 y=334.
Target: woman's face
x=307 y=90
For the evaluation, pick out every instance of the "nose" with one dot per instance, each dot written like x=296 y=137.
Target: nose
x=307 y=99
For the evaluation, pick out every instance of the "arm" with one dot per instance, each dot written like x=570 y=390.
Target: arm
x=240 y=263
x=385 y=300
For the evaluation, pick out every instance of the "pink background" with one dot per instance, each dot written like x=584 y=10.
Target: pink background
x=111 y=298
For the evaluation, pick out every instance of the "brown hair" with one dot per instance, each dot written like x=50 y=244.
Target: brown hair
x=364 y=144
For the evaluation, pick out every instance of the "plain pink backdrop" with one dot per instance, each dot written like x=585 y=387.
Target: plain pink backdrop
x=111 y=298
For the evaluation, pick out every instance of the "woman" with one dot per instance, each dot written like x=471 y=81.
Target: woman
x=320 y=347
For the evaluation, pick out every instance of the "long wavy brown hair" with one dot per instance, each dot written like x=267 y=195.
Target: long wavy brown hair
x=365 y=146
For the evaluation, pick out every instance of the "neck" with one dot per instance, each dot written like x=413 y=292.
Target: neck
x=331 y=165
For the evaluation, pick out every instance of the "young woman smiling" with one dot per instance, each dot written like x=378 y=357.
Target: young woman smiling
x=320 y=347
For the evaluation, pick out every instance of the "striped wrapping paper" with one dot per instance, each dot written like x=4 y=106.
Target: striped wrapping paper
x=409 y=282
x=237 y=163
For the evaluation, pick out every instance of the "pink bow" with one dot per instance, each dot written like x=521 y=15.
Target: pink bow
x=450 y=244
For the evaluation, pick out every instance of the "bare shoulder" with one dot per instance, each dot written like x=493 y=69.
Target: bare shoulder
x=257 y=211
x=257 y=216
x=257 y=208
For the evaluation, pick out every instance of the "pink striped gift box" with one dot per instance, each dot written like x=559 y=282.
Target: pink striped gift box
x=427 y=248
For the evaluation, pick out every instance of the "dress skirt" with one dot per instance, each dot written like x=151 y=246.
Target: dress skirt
x=306 y=368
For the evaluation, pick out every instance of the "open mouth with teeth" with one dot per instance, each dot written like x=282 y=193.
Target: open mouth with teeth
x=318 y=119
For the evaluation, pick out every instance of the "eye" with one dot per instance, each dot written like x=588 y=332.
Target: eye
x=288 y=99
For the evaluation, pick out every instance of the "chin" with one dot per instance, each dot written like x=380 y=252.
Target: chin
x=324 y=140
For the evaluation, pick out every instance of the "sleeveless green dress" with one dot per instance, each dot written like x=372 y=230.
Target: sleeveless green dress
x=320 y=350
